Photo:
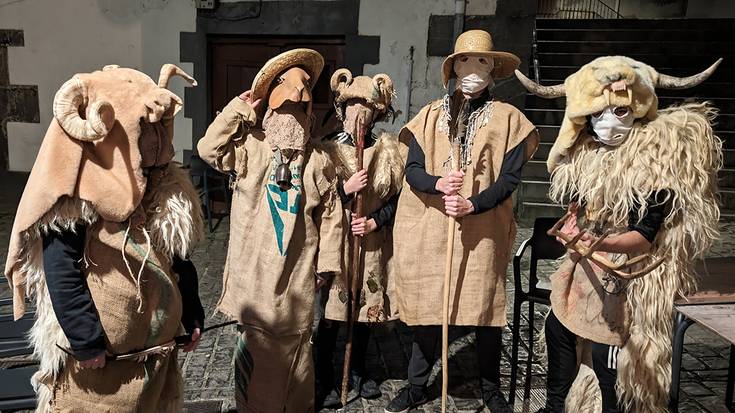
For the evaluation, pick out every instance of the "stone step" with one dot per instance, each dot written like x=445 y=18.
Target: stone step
x=535 y=170
x=726 y=25
x=727 y=198
x=727 y=178
x=528 y=211
x=639 y=46
x=534 y=190
x=689 y=35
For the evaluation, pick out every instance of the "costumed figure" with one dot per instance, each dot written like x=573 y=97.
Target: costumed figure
x=100 y=240
x=285 y=229
x=472 y=185
x=361 y=101
x=646 y=180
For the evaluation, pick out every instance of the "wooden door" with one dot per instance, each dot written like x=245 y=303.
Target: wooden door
x=236 y=61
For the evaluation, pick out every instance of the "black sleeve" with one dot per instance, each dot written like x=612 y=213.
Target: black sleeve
x=346 y=199
x=70 y=296
x=416 y=175
x=384 y=216
x=658 y=206
x=192 y=314
x=508 y=180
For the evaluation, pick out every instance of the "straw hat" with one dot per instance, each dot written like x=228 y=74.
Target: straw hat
x=309 y=60
x=377 y=91
x=480 y=43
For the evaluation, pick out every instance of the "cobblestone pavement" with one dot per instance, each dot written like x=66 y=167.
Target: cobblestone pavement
x=209 y=375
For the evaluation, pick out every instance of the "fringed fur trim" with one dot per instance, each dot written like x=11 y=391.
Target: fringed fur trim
x=385 y=174
x=584 y=395
x=175 y=220
x=46 y=332
x=679 y=152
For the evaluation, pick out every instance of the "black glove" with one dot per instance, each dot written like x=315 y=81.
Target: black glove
x=192 y=315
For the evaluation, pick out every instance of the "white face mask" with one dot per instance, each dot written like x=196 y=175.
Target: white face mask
x=473 y=73
x=612 y=125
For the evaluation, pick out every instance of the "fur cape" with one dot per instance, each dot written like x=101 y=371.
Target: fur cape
x=174 y=224
x=676 y=151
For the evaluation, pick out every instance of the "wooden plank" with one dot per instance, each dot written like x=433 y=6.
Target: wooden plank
x=718 y=318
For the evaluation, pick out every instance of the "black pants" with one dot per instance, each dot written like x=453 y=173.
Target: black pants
x=426 y=348
x=326 y=343
x=561 y=347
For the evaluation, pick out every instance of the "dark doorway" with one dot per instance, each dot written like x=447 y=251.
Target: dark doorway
x=236 y=61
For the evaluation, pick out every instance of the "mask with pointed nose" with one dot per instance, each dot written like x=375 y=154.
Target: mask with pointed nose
x=293 y=85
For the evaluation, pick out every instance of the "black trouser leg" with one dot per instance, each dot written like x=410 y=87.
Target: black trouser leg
x=326 y=340
x=360 y=340
x=605 y=364
x=561 y=347
x=423 y=354
x=489 y=351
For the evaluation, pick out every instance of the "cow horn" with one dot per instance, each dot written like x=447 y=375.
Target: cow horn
x=673 y=82
x=168 y=70
x=70 y=97
x=548 y=92
x=340 y=76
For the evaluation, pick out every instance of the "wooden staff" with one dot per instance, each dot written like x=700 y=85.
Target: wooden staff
x=354 y=276
x=458 y=113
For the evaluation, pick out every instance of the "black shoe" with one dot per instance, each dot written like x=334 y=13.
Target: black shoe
x=369 y=389
x=408 y=398
x=494 y=399
x=332 y=400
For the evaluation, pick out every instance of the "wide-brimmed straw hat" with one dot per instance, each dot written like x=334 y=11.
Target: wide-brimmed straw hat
x=480 y=43
x=309 y=60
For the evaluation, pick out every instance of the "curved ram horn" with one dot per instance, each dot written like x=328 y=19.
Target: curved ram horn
x=340 y=76
x=548 y=92
x=382 y=82
x=168 y=70
x=673 y=82
x=100 y=118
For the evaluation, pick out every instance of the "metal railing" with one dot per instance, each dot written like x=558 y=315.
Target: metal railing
x=576 y=9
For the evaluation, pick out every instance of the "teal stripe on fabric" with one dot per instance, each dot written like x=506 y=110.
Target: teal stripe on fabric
x=243 y=369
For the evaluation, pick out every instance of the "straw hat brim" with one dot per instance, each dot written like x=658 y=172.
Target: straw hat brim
x=505 y=64
x=309 y=60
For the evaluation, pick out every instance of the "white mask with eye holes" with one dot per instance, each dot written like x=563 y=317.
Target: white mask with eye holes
x=473 y=73
x=612 y=125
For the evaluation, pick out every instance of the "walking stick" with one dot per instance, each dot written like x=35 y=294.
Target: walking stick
x=354 y=278
x=458 y=113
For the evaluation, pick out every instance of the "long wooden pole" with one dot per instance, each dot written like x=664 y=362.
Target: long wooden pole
x=451 y=225
x=458 y=114
x=354 y=274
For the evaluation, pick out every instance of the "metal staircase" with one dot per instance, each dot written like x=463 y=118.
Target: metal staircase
x=679 y=47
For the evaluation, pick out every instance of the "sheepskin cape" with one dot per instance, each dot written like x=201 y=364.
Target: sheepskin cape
x=384 y=167
x=483 y=242
x=278 y=239
x=678 y=152
x=167 y=222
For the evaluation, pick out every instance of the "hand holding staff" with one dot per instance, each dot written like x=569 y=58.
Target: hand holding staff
x=354 y=274
x=458 y=114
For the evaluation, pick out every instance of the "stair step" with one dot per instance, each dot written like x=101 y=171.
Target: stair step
x=529 y=211
x=642 y=24
x=728 y=156
x=534 y=191
x=726 y=178
x=535 y=170
x=552 y=74
x=719 y=48
x=660 y=60
x=688 y=35
x=727 y=198
x=542 y=153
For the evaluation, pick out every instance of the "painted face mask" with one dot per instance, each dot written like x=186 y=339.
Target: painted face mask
x=473 y=73
x=612 y=125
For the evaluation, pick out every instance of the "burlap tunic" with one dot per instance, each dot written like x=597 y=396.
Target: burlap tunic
x=378 y=295
x=483 y=242
x=277 y=242
x=127 y=386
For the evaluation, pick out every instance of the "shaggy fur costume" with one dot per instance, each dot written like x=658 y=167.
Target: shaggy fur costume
x=676 y=151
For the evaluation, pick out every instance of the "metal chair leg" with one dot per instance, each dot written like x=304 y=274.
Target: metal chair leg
x=529 y=362
x=516 y=330
x=681 y=325
x=730 y=381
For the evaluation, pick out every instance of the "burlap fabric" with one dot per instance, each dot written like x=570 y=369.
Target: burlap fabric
x=483 y=242
x=384 y=167
x=278 y=239
x=580 y=302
